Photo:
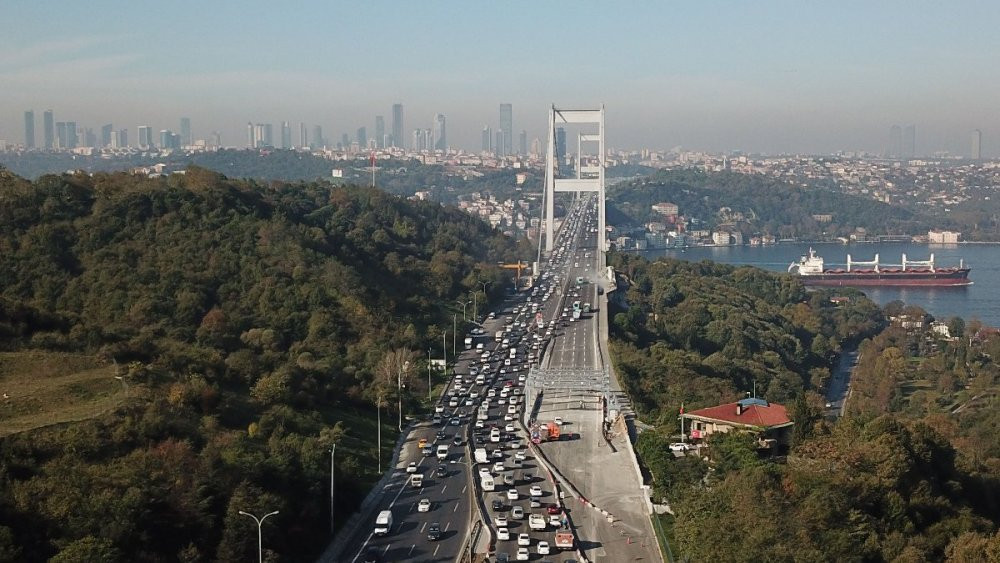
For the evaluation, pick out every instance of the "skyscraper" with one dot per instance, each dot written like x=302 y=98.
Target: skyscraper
x=499 y=145
x=169 y=139
x=286 y=135
x=185 y=131
x=895 y=141
x=251 y=135
x=115 y=142
x=417 y=140
x=72 y=138
x=345 y=141
x=49 y=132
x=507 y=127
x=106 y=135
x=318 y=141
x=428 y=139
x=29 y=129
x=303 y=136
x=560 y=144
x=61 y=139
x=977 y=144
x=123 y=138
x=145 y=140
x=362 y=137
x=523 y=149
x=487 y=138
x=380 y=131
x=440 y=133
x=910 y=141
x=397 y=125
x=268 y=135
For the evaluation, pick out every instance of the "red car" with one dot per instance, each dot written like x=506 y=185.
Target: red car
x=554 y=509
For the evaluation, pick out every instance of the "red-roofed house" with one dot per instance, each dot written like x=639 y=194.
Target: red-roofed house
x=768 y=420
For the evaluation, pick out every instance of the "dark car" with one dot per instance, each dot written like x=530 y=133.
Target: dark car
x=457 y=441
x=503 y=558
x=497 y=504
x=554 y=509
x=442 y=471
x=441 y=435
x=434 y=531
x=371 y=556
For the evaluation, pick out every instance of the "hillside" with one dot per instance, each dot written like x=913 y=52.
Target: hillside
x=252 y=324
x=768 y=206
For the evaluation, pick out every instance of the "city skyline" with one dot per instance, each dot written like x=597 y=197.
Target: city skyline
x=773 y=78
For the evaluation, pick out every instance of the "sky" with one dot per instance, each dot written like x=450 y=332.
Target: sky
x=766 y=76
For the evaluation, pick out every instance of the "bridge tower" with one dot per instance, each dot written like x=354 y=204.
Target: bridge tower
x=594 y=182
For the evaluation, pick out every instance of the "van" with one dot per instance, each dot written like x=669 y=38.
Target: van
x=442 y=452
x=495 y=434
x=499 y=336
x=383 y=523
x=487 y=481
x=417 y=480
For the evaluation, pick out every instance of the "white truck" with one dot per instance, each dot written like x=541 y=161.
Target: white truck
x=481 y=456
x=383 y=523
x=468 y=342
x=536 y=522
x=499 y=336
x=487 y=481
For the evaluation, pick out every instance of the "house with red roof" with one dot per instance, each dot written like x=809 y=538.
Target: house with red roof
x=769 y=421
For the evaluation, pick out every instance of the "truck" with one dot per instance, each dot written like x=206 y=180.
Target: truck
x=383 y=523
x=554 y=431
x=536 y=522
x=481 y=456
x=468 y=342
x=564 y=540
x=499 y=336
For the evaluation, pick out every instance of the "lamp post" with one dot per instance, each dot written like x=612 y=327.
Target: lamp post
x=399 y=390
x=464 y=305
x=259 y=521
x=454 y=335
x=429 y=398
x=333 y=454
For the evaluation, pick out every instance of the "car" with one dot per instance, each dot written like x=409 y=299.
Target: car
x=441 y=471
x=441 y=435
x=498 y=467
x=520 y=456
x=680 y=447
x=543 y=548
x=508 y=479
x=480 y=424
x=517 y=513
x=469 y=402
x=428 y=450
x=434 y=531
x=534 y=503
x=522 y=553
x=497 y=454
x=523 y=539
x=558 y=420
x=457 y=441
x=421 y=443
x=508 y=417
x=497 y=504
x=424 y=505
x=503 y=534
x=555 y=520
x=412 y=467
x=372 y=556
x=535 y=491
x=512 y=494
x=501 y=521
x=439 y=409
x=509 y=427
x=554 y=509
x=456 y=421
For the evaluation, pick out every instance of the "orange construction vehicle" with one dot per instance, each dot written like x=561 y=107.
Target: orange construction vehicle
x=553 y=431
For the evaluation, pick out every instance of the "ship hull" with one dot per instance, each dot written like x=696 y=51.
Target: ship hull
x=952 y=277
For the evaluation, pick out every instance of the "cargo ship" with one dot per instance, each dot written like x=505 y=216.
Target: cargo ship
x=915 y=273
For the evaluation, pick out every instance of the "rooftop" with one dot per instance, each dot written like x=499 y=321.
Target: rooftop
x=752 y=412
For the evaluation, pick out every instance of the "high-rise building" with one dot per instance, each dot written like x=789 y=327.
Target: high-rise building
x=89 y=138
x=123 y=138
x=977 y=144
x=106 y=135
x=286 y=135
x=397 y=125
x=523 y=149
x=61 y=139
x=48 y=129
x=116 y=141
x=303 y=136
x=507 y=127
x=268 y=135
x=318 y=141
x=417 y=140
x=560 y=144
x=258 y=135
x=380 y=131
x=29 y=129
x=910 y=141
x=440 y=141
x=216 y=139
x=72 y=137
x=251 y=136
x=169 y=139
x=895 y=141
x=501 y=142
x=362 y=137
x=536 y=147
x=145 y=134
x=428 y=139
x=185 y=131
x=487 y=138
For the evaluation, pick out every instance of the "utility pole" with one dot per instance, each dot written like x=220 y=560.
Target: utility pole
x=333 y=454
x=429 y=375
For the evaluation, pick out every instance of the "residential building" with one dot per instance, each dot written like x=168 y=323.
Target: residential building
x=106 y=135
x=769 y=422
x=303 y=136
x=665 y=208
x=943 y=237
x=487 y=138
x=145 y=137
x=318 y=141
x=523 y=148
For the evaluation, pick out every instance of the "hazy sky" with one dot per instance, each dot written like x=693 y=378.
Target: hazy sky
x=758 y=76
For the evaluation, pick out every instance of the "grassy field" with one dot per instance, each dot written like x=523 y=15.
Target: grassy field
x=41 y=388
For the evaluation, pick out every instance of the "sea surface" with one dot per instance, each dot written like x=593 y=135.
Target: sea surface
x=981 y=300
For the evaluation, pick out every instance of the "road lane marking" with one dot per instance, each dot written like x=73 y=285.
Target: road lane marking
x=436 y=549
x=456 y=507
x=412 y=547
x=448 y=525
x=422 y=527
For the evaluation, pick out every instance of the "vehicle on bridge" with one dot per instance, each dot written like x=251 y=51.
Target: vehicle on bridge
x=564 y=540
x=383 y=523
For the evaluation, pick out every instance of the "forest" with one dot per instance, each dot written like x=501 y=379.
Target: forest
x=253 y=325
x=884 y=483
x=769 y=206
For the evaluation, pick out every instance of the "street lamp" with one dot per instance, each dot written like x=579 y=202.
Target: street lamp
x=475 y=307
x=259 y=521
x=333 y=453
x=429 y=375
x=464 y=306
x=399 y=390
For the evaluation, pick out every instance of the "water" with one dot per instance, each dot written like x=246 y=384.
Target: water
x=981 y=300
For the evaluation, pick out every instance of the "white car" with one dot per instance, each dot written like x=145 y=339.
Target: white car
x=523 y=539
x=520 y=456
x=509 y=428
x=555 y=520
x=424 y=505
x=522 y=552
x=498 y=467
x=517 y=513
x=558 y=420
x=501 y=521
x=503 y=534
x=512 y=495
x=543 y=548
x=480 y=424
x=439 y=409
x=535 y=491
x=412 y=467
x=680 y=447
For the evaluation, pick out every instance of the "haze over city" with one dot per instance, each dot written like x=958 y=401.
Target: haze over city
x=770 y=78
